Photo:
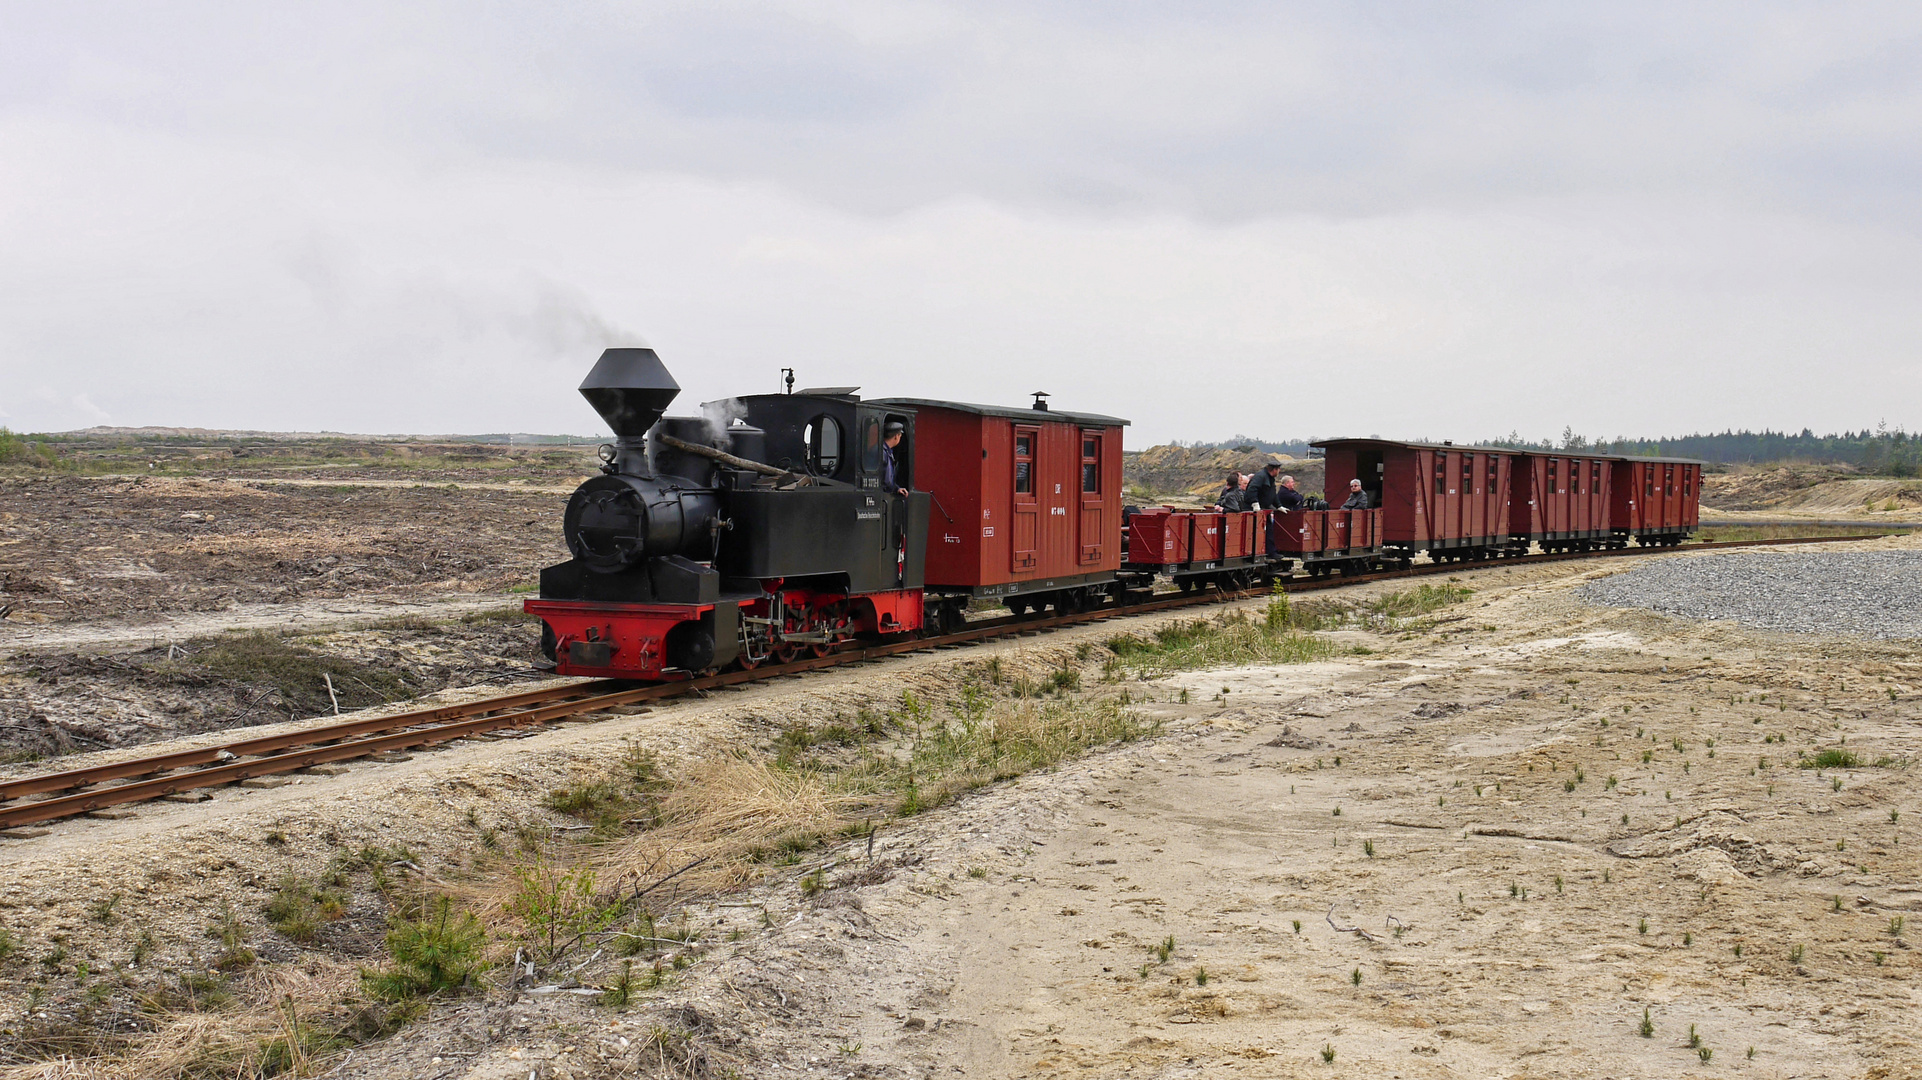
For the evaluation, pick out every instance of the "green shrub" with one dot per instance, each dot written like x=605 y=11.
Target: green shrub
x=436 y=952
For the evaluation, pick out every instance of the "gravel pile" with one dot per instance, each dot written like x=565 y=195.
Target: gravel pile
x=1871 y=593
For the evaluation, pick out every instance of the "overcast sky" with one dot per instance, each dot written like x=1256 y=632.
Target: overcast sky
x=1440 y=220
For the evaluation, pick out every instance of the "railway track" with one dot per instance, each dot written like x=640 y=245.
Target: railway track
x=75 y=792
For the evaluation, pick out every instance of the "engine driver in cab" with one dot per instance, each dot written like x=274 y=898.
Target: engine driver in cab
x=891 y=471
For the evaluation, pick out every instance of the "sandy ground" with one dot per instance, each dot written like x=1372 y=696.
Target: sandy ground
x=1557 y=847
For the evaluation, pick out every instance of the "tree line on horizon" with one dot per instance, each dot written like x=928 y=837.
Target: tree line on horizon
x=1883 y=451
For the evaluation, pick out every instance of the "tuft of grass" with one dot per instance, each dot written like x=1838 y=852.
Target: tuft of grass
x=1355 y=977
x=1230 y=639
x=1795 y=954
x=1420 y=600
x=297 y=674
x=1833 y=757
x=299 y=908
x=106 y=909
x=232 y=935
x=1647 y=1026
x=1328 y=1053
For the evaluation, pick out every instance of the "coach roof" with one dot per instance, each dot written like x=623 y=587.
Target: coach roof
x=1010 y=412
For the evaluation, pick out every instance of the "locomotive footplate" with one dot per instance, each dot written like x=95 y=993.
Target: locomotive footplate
x=637 y=641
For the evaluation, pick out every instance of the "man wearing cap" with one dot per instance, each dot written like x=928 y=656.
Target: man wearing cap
x=891 y=474
x=1262 y=493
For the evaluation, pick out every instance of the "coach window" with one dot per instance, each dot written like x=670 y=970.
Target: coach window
x=1090 y=463
x=1441 y=474
x=1648 y=481
x=1668 y=480
x=1688 y=475
x=1493 y=475
x=1468 y=473
x=1024 y=462
x=1554 y=485
x=823 y=435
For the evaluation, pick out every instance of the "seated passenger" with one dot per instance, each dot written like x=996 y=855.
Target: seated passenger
x=1231 y=499
x=1287 y=498
x=1357 y=498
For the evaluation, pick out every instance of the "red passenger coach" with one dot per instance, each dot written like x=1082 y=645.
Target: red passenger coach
x=1450 y=501
x=1027 y=503
x=1655 y=500
x=1561 y=502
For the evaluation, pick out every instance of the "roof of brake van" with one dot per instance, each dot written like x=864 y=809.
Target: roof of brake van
x=1477 y=449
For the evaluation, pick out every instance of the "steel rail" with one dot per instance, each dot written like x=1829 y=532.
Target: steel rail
x=327 y=743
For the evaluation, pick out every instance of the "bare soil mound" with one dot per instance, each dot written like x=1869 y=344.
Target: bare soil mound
x=1811 y=490
x=1197 y=471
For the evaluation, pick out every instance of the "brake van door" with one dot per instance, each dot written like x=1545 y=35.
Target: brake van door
x=1024 y=528
x=1092 y=501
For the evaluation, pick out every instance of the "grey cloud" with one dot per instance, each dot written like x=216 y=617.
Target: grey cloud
x=1226 y=111
x=250 y=215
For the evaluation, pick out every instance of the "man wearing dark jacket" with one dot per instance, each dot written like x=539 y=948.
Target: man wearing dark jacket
x=1232 y=499
x=1357 y=498
x=1262 y=490
x=1264 y=494
x=1289 y=499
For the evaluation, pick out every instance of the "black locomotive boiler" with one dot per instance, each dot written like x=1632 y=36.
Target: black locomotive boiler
x=758 y=530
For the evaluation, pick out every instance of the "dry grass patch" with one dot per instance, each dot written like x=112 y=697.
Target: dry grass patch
x=278 y=1021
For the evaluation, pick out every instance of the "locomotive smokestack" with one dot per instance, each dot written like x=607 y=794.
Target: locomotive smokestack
x=630 y=388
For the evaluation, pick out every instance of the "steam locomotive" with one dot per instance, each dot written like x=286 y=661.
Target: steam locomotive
x=761 y=530
x=691 y=551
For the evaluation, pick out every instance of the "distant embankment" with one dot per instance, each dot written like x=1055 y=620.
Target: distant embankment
x=1183 y=472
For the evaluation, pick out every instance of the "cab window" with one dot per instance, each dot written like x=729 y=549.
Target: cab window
x=823 y=437
x=871 y=445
